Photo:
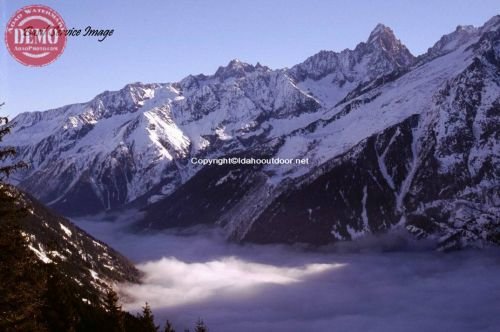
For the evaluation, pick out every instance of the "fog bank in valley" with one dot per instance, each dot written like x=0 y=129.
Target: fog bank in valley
x=380 y=284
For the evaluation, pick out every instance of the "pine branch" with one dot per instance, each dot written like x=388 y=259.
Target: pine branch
x=7 y=170
x=4 y=130
x=7 y=153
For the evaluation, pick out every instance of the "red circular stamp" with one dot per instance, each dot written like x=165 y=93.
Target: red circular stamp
x=35 y=35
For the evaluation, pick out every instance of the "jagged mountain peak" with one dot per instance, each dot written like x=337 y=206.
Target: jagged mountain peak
x=128 y=99
x=450 y=42
x=236 y=68
x=379 y=55
x=381 y=31
x=467 y=28
x=462 y=35
x=343 y=71
x=383 y=39
x=237 y=63
x=104 y=105
x=136 y=89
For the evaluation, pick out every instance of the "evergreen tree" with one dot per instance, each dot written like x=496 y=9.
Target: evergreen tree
x=61 y=312
x=168 y=327
x=7 y=152
x=200 y=326
x=115 y=313
x=148 y=319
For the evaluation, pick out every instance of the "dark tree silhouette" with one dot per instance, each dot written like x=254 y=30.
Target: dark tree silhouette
x=148 y=319
x=200 y=326
x=168 y=327
x=7 y=152
x=116 y=321
x=60 y=312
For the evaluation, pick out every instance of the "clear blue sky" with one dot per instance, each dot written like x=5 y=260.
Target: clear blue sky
x=164 y=40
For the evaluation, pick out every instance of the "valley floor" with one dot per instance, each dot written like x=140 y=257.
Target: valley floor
x=385 y=284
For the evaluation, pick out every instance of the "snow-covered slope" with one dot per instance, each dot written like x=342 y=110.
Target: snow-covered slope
x=120 y=145
x=93 y=265
x=419 y=151
x=391 y=140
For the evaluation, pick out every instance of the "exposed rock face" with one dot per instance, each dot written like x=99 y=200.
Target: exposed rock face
x=392 y=141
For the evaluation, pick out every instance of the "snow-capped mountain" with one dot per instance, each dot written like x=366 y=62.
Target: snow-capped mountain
x=392 y=140
x=330 y=76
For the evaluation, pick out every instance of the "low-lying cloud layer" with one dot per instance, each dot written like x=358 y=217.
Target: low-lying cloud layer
x=170 y=282
x=361 y=287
